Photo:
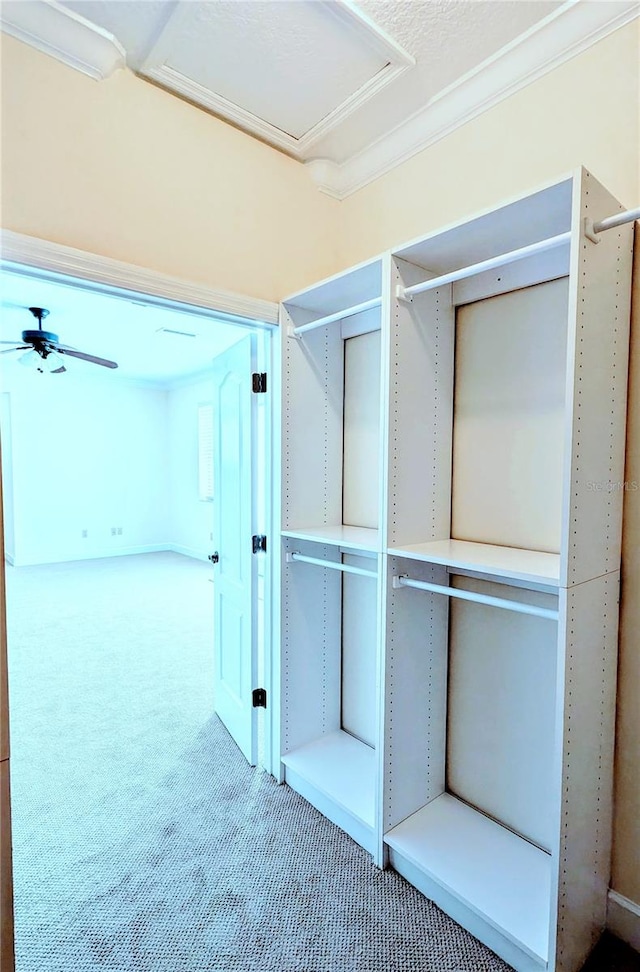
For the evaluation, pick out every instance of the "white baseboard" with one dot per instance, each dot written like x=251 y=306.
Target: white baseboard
x=107 y=552
x=94 y=555
x=623 y=919
x=187 y=551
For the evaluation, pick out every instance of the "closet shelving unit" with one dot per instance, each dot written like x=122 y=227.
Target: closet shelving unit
x=487 y=778
x=508 y=495
x=331 y=548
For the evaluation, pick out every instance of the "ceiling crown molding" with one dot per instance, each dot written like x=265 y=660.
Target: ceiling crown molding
x=65 y=35
x=570 y=30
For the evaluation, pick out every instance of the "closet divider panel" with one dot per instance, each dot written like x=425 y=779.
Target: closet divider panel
x=599 y=312
x=361 y=484
x=313 y=391
x=584 y=765
x=359 y=713
x=420 y=411
x=416 y=692
x=310 y=665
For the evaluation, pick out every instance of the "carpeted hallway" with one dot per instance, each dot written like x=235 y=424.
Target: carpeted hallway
x=143 y=841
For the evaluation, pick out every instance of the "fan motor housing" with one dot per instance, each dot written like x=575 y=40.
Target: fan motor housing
x=39 y=337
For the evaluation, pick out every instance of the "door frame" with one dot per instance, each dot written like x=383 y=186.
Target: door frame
x=44 y=259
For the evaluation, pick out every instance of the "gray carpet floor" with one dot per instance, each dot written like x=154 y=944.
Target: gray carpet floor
x=143 y=841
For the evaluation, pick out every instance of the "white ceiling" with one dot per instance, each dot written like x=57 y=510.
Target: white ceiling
x=120 y=329
x=350 y=90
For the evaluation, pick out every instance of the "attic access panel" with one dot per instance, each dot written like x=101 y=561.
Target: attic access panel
x=287 y=71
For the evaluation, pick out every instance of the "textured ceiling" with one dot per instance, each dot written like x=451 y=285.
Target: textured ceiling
x=448 y=39
x=137 y=24
x=292 y=63
x=352 y=89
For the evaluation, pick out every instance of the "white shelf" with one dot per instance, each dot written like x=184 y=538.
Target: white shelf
x=356 y=538
x=517 y=223
x=499 y=876
x=341 y=768
x=525 y=565
x=340 y=291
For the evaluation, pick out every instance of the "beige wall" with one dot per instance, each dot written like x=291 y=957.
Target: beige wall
x=122 y=169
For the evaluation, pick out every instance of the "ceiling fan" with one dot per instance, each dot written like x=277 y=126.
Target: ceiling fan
x=44 y=344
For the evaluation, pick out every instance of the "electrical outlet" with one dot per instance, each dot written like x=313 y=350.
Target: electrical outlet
x=85 y=534
x=113 y=531
x=119 y=531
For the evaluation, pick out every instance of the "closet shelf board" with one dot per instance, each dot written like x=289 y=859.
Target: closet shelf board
x=504 y=879
x=533 y=566
x=357 y=538
x=342 y=768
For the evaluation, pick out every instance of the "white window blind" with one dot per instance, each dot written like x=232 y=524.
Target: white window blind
x=205 y=452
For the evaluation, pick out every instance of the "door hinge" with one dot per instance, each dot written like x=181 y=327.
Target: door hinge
x=259 y=382
x=259 y=543
x=259 y=698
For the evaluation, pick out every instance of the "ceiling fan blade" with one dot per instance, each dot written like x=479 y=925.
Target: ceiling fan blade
x=87 y=357
x=58 y=371
x=8 y=342
x=22 y=347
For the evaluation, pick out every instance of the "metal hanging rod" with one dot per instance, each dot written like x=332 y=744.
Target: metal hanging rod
x=333 y=564
x=337 y=316
x=406 y=293
x=592 y=229
x=499 y=602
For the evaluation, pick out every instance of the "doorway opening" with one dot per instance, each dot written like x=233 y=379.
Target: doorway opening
x=110 y=588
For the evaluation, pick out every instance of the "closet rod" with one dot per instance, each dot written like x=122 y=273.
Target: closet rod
x=338 y=316
x=406 y=293
x=334 y=564
x=592 y=229
x=618 y=220
x=498 y=602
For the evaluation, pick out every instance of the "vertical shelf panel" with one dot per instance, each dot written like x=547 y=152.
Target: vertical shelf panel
x=586 y=720
x=311 y=613
x=361 y=483
x=416 y=673
x=420 y=412
x=313 y=388
x=598 y=358
x=359 y=652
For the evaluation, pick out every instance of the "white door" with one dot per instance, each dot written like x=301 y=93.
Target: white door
x=234 y=581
